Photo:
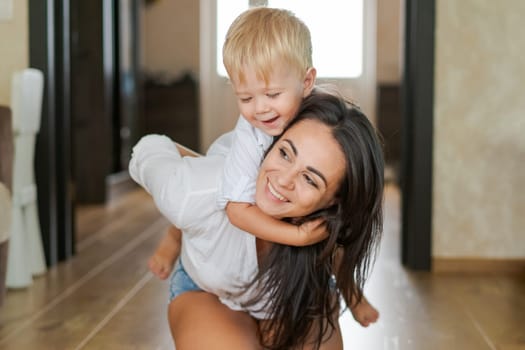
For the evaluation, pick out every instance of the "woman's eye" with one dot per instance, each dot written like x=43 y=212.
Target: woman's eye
x=283 y=153
x=245 y=100
x=309 y=180
x=273 y=95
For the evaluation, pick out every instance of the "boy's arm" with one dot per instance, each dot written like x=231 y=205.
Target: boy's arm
x=251 y=219
x=241 y=165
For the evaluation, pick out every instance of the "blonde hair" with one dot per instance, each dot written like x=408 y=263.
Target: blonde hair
x=262 y=37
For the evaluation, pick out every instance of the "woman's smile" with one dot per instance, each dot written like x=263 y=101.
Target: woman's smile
x=274 y=192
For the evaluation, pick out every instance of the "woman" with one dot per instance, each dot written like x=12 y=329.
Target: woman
x=327 y=164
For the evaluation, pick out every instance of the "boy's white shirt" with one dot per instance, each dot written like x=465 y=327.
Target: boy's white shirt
x=242 y=164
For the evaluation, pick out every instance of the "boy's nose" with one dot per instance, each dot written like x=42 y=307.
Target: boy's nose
x=261 y=106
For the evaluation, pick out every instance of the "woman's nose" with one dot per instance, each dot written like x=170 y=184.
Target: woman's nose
x=286 y=179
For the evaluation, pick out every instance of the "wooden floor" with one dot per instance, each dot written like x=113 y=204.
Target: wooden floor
x=105 y=298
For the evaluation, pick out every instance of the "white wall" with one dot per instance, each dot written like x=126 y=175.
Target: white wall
x=479 y=142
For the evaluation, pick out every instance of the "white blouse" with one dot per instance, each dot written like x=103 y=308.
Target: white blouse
x=219 y=257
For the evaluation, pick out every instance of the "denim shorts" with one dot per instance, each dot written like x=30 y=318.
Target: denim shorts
x=180 y=281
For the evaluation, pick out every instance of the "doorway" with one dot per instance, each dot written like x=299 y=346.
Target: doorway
x=91 y=107
x=60 y=54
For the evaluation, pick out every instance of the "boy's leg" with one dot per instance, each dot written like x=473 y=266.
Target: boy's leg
x=162 y=261
x=364 y=312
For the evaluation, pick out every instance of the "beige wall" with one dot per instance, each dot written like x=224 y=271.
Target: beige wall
x=389 y=41
x=171 y=37
x=14 y=47
x=479 y=144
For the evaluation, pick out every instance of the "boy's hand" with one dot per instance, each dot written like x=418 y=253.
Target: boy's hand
x=313 y=231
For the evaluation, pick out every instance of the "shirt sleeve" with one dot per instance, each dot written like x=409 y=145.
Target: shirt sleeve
x=241 y=166
x=157 y=166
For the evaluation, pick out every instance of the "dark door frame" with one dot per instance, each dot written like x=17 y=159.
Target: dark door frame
x=418 y=118
x=54 y=37
x=49 y=52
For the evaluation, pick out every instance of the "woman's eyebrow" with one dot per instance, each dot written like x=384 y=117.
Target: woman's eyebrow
x=318 y=173
x=292 y=146
x=313 y=170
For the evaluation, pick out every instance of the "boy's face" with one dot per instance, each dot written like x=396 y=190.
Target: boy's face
x=270 y=107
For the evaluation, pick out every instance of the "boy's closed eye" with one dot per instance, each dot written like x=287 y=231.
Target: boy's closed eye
x=273 y=95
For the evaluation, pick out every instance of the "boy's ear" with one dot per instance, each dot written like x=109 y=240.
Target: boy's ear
x=309 y=81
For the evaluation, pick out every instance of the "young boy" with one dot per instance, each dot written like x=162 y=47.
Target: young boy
x=267 y=54
x=268 y=57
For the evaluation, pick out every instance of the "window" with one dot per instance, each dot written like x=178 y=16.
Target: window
x=336 y=27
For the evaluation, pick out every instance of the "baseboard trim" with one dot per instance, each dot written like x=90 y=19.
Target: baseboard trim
x=3 y=269
x=478 y=265
x=118 y=184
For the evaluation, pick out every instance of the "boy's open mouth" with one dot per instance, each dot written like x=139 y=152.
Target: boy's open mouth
x=270 y=121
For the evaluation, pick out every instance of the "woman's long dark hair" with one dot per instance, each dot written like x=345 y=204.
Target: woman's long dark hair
x=298 y=282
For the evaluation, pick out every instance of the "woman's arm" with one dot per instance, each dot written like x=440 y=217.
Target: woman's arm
x=154 y=160
x=251 y=219
x=185 y=151
x=157 y=166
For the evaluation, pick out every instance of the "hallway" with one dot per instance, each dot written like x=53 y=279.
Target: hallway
x=105 y=298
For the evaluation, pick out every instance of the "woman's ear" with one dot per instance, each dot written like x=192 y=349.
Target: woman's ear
x=309 y=81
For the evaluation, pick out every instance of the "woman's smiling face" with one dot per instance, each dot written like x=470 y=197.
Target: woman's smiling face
x=301 y=173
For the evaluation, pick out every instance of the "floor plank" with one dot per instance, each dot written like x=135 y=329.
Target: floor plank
x=105 y=298
x=421 y=310
x=65 y=276
x=70 y=292
x=137 y=327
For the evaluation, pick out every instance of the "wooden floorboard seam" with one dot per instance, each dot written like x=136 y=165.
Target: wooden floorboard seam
x=480 y=330
x=123 y=302
x=121 y=252
x=103 y=232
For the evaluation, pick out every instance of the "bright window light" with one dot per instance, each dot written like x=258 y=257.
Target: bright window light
x=336 y=27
